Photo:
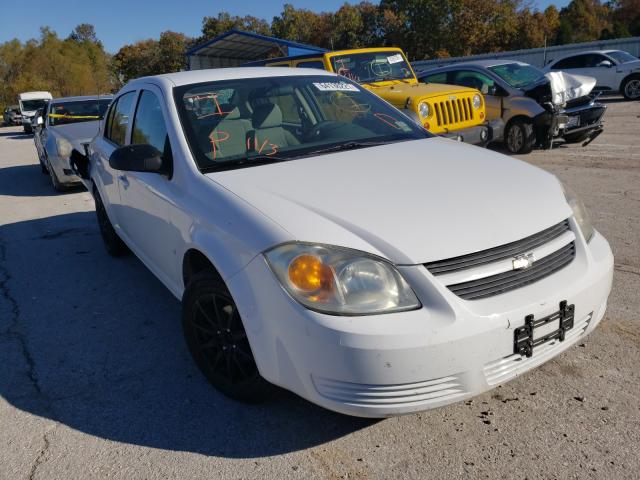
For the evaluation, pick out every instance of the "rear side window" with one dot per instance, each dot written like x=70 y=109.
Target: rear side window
x=148 y=125
x=118 y=119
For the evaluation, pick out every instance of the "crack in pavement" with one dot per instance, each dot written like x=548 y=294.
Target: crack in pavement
x=39 y=459
x=12 y=331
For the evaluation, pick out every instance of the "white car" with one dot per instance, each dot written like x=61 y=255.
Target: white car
x=614 y=70
x=321 y=241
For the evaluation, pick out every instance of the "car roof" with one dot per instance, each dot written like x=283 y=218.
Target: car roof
x=80 y=98
x=476 y=63
x=215 y=74
x=583 y=52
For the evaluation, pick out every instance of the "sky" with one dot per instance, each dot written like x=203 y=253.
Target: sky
x=119 y=22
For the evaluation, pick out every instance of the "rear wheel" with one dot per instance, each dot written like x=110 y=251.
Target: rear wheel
x=520 y=137
x=112 y=242
x=631 y=87
x=218 y=342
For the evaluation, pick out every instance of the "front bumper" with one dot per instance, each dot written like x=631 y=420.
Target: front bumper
x=384 y=365
x=63 y=170
x=478 y=135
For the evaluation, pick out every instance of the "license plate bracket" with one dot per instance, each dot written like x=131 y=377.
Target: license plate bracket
x=573 y=121
x=525 y=338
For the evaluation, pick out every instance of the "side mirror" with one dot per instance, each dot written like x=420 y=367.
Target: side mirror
x=497 y=91
x=605 y=63
x=137 y=158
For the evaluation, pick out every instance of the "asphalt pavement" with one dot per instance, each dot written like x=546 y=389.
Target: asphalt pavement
x=96 y=380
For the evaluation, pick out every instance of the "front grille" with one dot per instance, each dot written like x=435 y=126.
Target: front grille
x=467 y=276
x=449 y=112
x=504 y=282
x=498 y=253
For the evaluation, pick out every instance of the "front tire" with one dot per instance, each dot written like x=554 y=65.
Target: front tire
x=630 y=87
x=218 y=342
x=57 y=185
x=520 y=137
x=112 y=242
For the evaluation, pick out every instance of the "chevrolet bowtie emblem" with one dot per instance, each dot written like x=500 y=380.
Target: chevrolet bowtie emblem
x=523 y=261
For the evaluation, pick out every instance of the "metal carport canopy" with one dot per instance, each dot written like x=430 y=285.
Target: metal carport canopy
x=235 y=47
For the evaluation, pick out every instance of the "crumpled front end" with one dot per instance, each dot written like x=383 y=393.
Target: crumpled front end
x=571 y=111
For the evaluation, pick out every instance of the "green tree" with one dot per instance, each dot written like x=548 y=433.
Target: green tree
x=223 y=22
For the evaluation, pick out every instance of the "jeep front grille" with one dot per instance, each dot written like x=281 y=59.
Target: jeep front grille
x=450 y=112
x=490 y=272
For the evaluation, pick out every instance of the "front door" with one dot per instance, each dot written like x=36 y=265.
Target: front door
x=146 y=197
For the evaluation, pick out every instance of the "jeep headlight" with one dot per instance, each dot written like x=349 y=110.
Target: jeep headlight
x=476 y=101
x=580 y=213
x=340 y=281
x=64 y=147
x=424 y=109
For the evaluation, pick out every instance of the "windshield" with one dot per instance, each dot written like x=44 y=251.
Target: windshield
x=516 y=74
x=372 y=66
x=80 y=111
x=622 y=57
x=31 y=105
x=247 y=122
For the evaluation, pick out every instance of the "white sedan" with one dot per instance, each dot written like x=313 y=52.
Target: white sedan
x=320 y=241
x=614 y=70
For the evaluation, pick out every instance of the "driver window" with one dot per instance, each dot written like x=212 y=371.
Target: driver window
x=148 y=125
x=471 y=79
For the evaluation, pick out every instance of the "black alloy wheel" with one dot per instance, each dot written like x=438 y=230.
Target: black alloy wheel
x=218 y=341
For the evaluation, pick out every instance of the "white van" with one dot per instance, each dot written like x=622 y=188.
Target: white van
x=29 y=103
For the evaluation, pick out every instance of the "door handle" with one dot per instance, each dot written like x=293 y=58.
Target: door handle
x=123 y=179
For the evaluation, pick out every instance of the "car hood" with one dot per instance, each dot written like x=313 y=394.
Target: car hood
x=566 y=87
x=78 y=133
x=411 y=202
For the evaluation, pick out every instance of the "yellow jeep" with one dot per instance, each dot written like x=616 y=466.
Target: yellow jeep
x=448 y=110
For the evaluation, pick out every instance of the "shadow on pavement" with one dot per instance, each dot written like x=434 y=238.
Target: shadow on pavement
x=95 y=343
x=28 y=181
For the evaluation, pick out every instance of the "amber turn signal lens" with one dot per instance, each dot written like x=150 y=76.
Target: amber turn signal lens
x=426 y=125
x=481 y=114
x=309 y=274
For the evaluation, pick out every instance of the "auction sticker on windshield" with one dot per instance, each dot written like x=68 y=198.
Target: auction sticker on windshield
x=335 y=87
x=397 y=58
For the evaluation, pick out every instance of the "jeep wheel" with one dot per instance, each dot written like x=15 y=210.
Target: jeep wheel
x=218 y=342
x=112 y=242
x=520 y=137
x=631 y=87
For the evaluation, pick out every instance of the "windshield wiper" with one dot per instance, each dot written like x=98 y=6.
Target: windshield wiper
x=244 y=162
x=348 y=146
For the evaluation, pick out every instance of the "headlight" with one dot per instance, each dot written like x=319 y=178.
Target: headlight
x=580 y=213
x=340 y=281
x=64 y=147
x=477 y=101
x=424 y=109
